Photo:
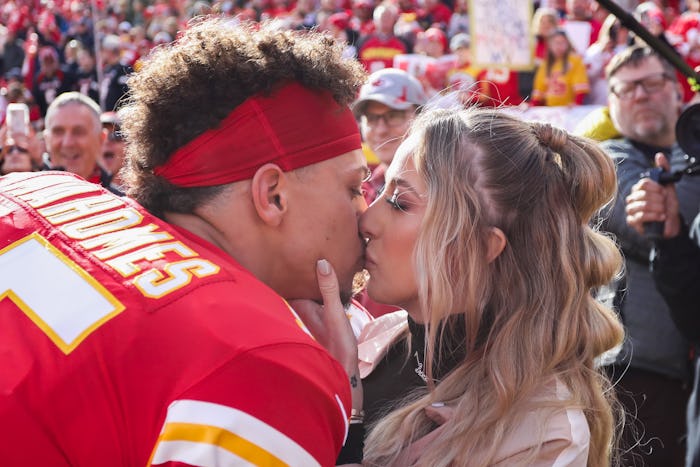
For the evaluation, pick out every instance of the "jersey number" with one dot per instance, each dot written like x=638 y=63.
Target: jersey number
x=59 y=296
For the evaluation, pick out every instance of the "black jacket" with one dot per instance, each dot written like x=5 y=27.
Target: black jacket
x=676 y=270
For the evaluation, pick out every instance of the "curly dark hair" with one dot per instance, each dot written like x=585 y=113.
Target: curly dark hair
x=190 y=86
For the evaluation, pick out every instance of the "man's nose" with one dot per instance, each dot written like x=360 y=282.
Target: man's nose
x=639 y=91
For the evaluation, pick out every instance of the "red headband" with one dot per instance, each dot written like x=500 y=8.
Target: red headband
x=293 y=127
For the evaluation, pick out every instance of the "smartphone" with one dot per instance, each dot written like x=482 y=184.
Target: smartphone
x=18 y=118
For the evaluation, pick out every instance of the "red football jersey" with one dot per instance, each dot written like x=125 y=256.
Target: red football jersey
x=127 y=341
x=377 y=52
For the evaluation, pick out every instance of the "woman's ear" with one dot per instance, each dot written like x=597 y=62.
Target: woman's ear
x=268 y=192
x=496 y=242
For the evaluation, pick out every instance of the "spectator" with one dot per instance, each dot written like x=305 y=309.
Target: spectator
x=69 y=63
x=82 y=31
x=498 y=86
x=561 y=79
x=114 y=74
x=433 y=43
x=613 y=38
x=459 y=21
x=19 y=152
x=86 y=78
x=16 y=92
x=544 y=23
x=386 y=106
x=112 y=156
x=377 y=50
x=477 y=199
x=12 y=51
x=652 y=368
x=74 y=138
x=51 y=81
x=338 y=25
x=362 y=17
x=675 y=266
x=303 y=15
x=186 y=327
x=434 y=13
x=580 y=25
x=462 y=77
x=684 y=34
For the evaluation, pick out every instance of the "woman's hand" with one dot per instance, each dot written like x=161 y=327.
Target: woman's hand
x=331 y=328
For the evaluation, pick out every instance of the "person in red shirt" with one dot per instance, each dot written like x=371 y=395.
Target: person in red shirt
x=51 y=81
x=152 y=330
x=434 y=13
x=378 y=50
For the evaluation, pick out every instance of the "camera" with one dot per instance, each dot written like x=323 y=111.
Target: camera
x=688 y=137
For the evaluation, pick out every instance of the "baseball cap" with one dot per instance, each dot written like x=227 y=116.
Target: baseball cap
x=363 y=4
x=111 y=121
x=109 y=118
x=48 y=53
x=340 y=20
x=392 y=87
x=435 y=35
x=459 y=41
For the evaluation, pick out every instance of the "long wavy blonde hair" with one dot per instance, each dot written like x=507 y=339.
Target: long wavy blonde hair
x=530 y=315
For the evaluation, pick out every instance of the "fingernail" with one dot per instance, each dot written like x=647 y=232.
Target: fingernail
x=324 y=267
x=438 y=404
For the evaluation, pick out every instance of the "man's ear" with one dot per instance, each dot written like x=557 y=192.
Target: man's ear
x=496 y=243
x=269 y=197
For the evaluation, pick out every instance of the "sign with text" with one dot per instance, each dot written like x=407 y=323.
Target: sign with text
x=500 y=33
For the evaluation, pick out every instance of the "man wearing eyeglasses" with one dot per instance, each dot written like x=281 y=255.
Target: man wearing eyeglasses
x=112 y=156
x=387 y=104
x=652 y=368
x=385 y=108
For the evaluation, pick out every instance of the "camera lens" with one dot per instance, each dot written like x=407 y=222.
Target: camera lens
x=688 y=130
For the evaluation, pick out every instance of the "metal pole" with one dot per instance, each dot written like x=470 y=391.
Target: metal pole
x=654 y=42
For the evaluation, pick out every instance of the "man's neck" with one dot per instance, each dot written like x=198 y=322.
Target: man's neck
x=650 y=150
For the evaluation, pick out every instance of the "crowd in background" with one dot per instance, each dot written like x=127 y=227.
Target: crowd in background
x=52 y=46
x=89 y=49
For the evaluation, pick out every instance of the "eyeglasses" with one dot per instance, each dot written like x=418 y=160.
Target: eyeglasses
x=651 y=84
x=392 y=118
x=19 y=149
x=115 y=136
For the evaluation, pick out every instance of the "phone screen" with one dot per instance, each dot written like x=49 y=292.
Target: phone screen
x=18 y=118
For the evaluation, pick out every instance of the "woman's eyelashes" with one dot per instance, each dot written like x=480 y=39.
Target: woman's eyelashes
x=394 y=202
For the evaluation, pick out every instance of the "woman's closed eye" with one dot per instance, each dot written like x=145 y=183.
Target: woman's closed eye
x=394 y=202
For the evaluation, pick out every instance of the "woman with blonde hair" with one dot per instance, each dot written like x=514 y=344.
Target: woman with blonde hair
x=483 y=234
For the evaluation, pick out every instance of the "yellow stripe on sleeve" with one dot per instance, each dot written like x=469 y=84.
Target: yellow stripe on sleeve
x=208 y=434
x=215 y=436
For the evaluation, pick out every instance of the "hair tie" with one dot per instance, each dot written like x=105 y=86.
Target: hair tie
x=552 y=137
